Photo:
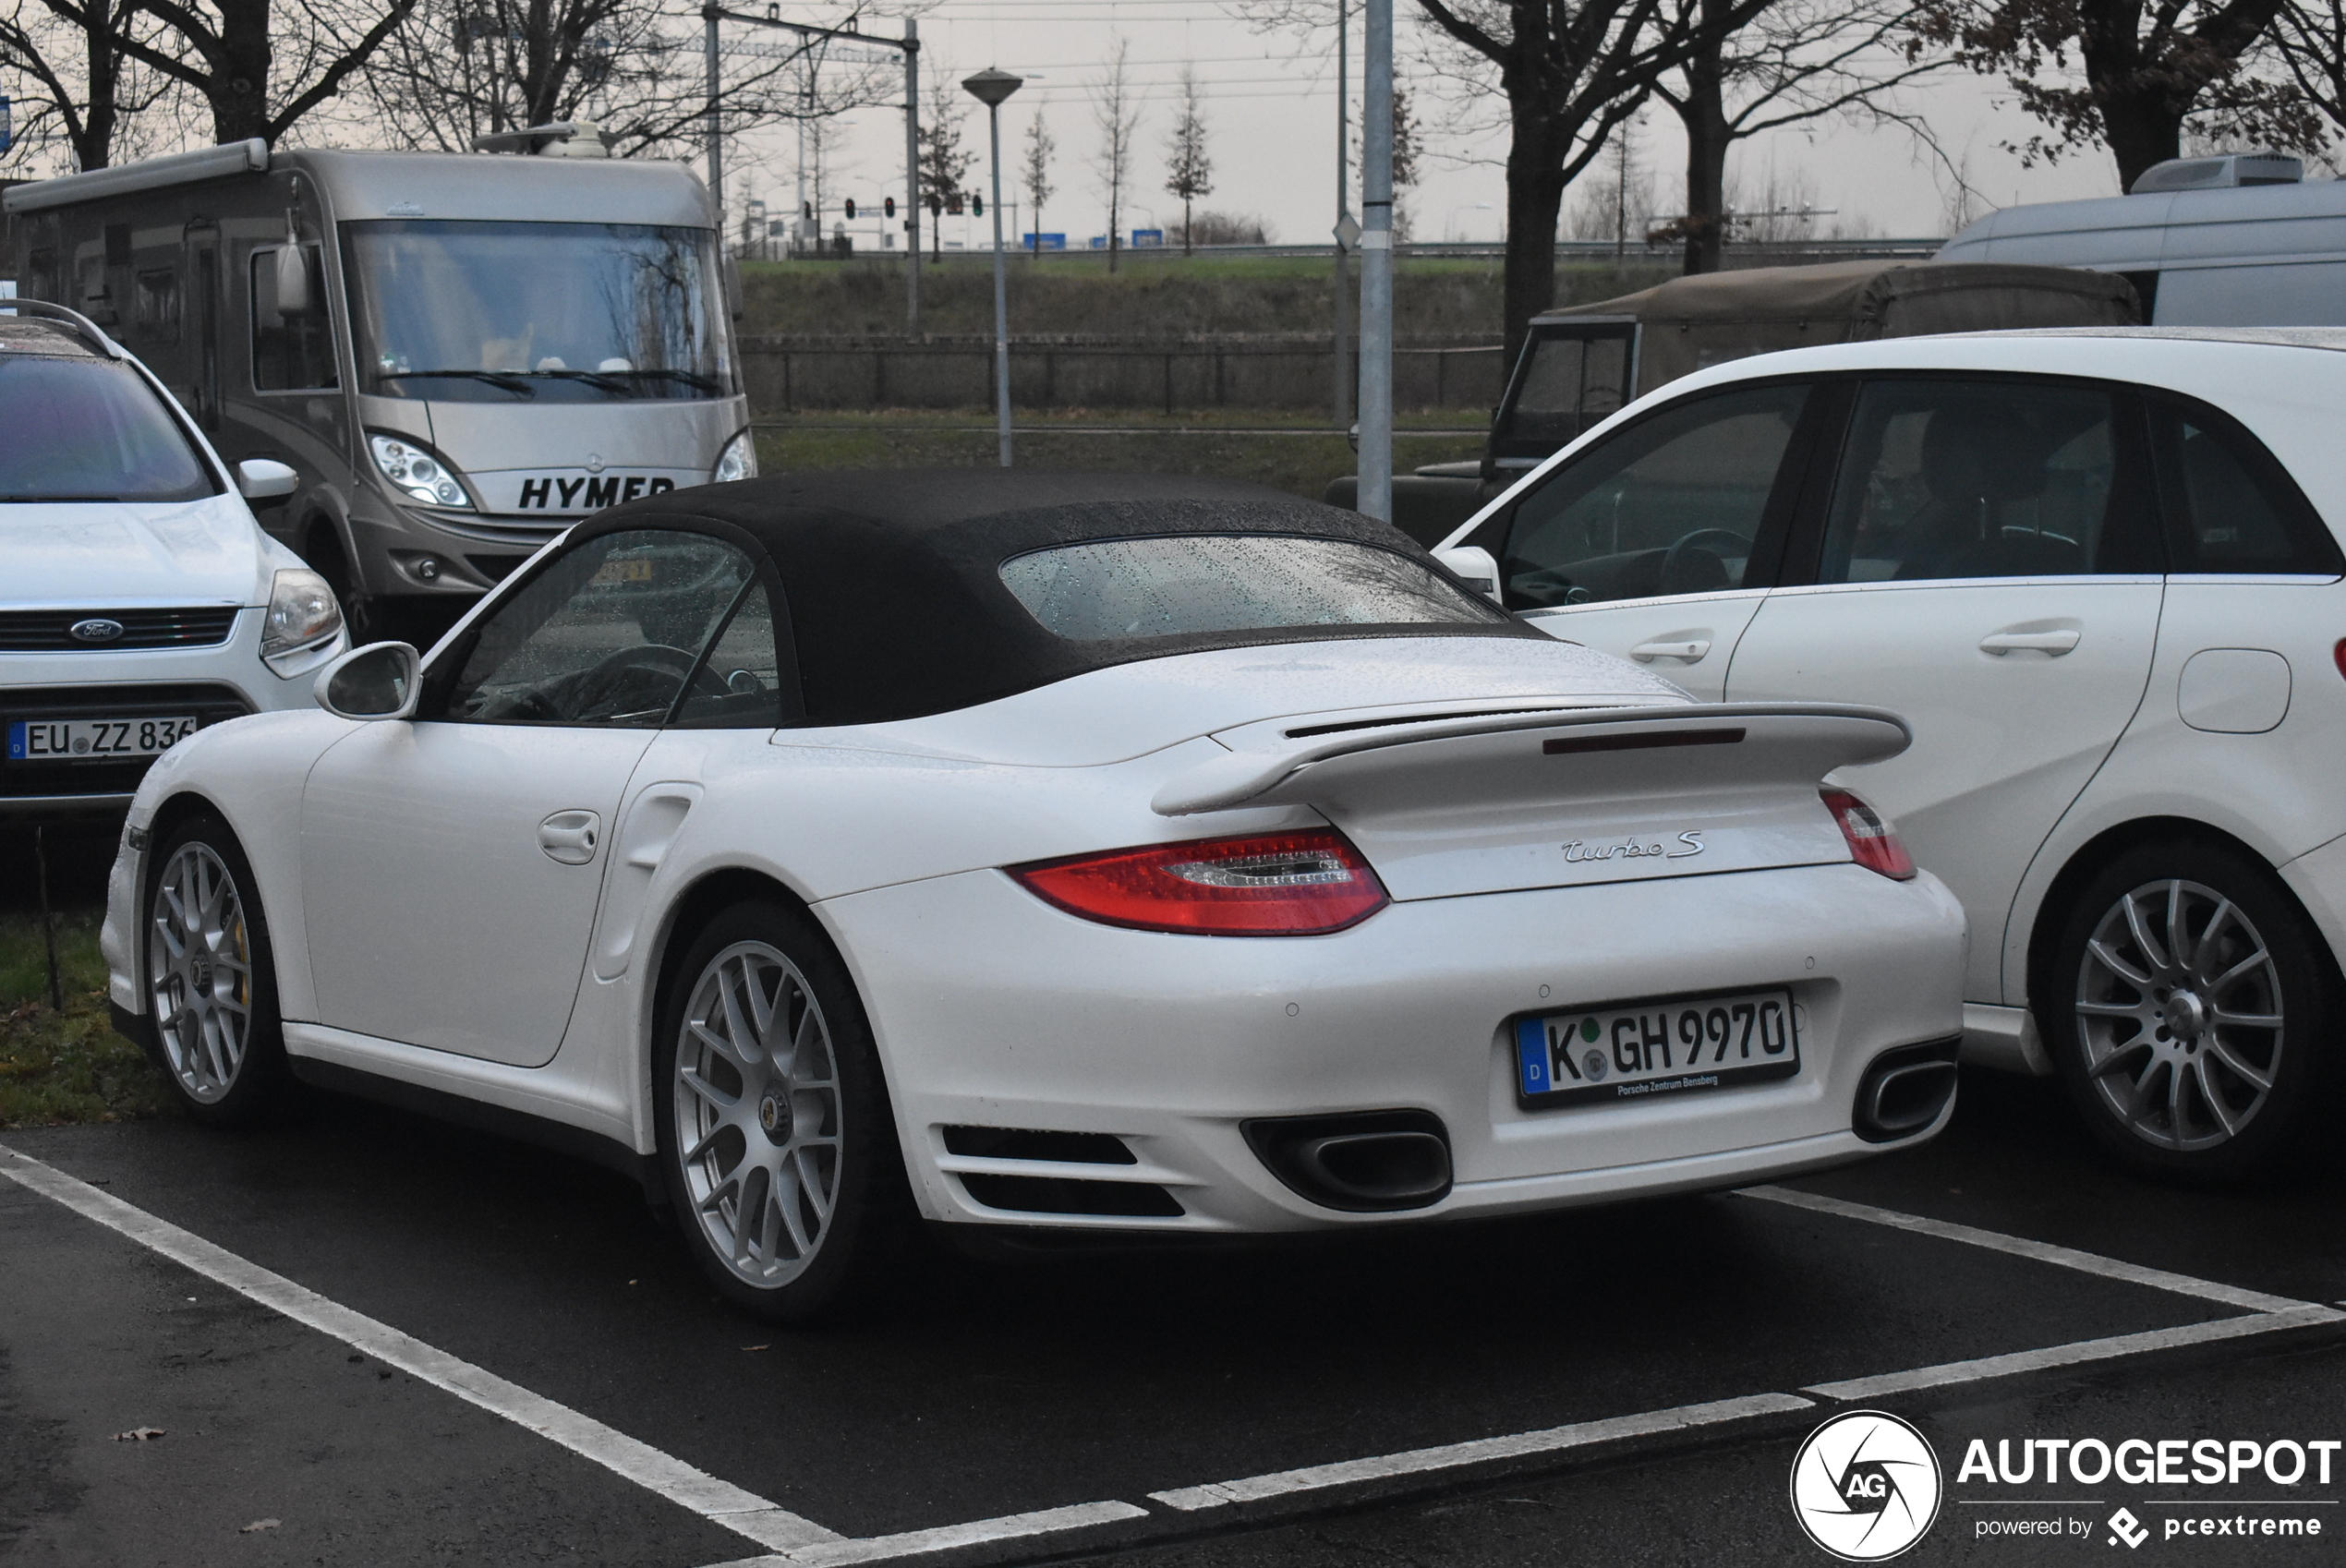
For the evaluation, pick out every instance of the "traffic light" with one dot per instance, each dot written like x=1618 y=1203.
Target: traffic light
x=977 y=206
x=935 y=204
x=888 y=206
x=808 y=208
x=953 y=204
x=850 y=208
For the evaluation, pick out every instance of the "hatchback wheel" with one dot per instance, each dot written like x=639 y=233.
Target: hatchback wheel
x=777 y=1147
x=2189 y=1005
x=211 y=985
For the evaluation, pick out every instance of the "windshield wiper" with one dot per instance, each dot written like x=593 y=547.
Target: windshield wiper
x=604 y=379
x=690 y=377
x=507 y=380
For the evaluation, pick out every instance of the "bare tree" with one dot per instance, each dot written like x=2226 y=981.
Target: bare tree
x=1116 y=111
x=1405 y=157
x=1798 y=61
x=2117 y=74
x=1188 y=173
x=944 y=164
x=259 y=65
x=2308 y=39
x=1037 y=172
x=85 y=90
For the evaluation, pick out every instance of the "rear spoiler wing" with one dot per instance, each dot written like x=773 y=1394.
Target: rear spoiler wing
x=1436 y=760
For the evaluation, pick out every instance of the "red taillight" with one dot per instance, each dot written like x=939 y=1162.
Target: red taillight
x=2339 y=654
x=1274 y=885
x=1873 y=843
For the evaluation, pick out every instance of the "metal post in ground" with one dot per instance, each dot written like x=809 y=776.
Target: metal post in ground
x=716 y=155
x=1340 y=398
x=1377 y=266
x=913 y=179
x=989 y=86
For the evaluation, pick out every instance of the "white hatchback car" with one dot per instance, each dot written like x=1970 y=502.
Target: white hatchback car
x=1042 y=849
x=2098 y=570
x=140 y=600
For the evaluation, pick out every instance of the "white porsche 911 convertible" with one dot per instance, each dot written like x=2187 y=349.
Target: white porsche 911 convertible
x=1047 y=850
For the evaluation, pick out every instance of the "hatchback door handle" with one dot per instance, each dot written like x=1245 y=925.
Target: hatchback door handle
x=2052 y=643
x=570 y=836
x=1691 y=651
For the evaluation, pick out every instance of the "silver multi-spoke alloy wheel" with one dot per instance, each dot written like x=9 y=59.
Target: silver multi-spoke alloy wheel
x=2179 y=1012
x=756 y=1107
x=200 y=972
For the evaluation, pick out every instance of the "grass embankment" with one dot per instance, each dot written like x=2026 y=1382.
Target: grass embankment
x=1157 y=297
x=1228 y=443
x=71 y=1065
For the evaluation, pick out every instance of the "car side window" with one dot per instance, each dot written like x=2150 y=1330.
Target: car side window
x=289 y=353
x=739 y=685
x=1945 y=478
x=1672 y=505
x=2230 y=505
x=604 y=636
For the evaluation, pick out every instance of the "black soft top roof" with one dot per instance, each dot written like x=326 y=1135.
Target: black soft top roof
x=891 y=581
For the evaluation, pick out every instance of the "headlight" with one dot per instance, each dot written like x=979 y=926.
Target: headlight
x=302 y=615
x=738 y=461
x=417 y=473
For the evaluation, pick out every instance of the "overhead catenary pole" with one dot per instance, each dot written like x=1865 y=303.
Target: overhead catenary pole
x=1376 y=265
x=716 y=153
x=990 y=87
x=911 y=178
x=1340 y=398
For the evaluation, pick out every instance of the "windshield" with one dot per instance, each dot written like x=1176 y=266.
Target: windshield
x=469 y=312
x=1180 y=585
x=90 y=429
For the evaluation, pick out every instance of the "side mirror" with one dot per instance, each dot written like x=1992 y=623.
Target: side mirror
x=295 y=294
x=262 y=479
x=379 y=681
x=1476 y=565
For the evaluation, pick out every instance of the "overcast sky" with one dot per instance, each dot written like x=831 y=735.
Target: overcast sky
x=1271 y=117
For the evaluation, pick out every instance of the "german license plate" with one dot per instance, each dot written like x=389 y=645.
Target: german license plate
x=93 y=740
x=1635 y=1051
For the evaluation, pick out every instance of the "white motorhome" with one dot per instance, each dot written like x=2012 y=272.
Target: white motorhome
x=2240 y=240
x=458 y=353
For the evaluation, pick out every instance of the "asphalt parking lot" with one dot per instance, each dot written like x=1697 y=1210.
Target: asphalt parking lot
x=371 y=1339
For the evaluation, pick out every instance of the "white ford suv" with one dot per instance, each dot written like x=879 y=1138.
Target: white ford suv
x=2098 y=570
x=139 y=598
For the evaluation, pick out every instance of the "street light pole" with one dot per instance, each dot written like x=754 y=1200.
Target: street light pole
x=715 y=155
x=911 y=178
x=990 y=87
x=1340 y=396
x=1376 y=266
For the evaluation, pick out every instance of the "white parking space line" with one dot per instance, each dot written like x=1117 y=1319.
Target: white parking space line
x=2040 y=1251
x=945 y=1537
x=720 y=1503
x=2082 y=1350
x=1554 y=1440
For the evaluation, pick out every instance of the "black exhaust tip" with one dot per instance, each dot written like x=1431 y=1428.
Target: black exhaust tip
x=1361 y=1162
x=1905 y=1090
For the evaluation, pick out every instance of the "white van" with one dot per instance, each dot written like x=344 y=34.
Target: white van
x=2240 y=240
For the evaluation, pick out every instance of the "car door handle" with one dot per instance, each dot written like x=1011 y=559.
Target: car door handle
x=2052 y=643
x=569 y=836
x=1690 y=651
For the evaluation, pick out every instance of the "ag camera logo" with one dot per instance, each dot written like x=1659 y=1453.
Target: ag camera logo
x=1866 y=1486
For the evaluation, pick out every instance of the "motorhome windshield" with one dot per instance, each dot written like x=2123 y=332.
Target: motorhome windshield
x=488 y=312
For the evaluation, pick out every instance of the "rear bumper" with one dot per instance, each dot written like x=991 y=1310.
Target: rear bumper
x=994 y=1010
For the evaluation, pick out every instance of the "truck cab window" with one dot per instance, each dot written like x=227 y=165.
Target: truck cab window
x=289 y=353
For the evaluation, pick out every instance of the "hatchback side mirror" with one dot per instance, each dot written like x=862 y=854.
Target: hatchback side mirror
x=379 y=681
x=1476 y=566
x=262 y=479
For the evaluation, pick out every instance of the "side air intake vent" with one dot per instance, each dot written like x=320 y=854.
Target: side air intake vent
x=1070 y=1195
x=1027 y=1143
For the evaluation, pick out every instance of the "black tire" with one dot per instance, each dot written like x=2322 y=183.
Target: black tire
x=821 y=1115
x=211 y=978
x=2186 y=1090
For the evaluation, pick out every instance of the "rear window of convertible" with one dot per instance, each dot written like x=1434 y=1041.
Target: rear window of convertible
x=1191 y=584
